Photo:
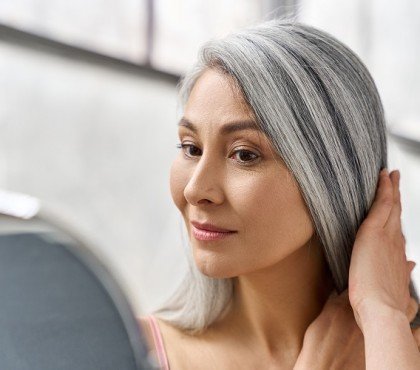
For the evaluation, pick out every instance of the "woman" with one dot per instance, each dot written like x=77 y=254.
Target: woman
x=282 y=141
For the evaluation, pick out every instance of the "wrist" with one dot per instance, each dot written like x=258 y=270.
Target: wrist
x=372 y=315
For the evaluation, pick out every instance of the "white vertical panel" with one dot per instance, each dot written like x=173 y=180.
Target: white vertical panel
x=115 y=28
x=342 y=18
x=181 y=26
x=95 y=145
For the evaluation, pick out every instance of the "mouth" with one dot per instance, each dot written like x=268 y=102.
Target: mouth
x=207 y=235
x=207 y=231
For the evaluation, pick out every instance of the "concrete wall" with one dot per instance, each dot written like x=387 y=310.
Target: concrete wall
x=95 y=144
x=386 y=35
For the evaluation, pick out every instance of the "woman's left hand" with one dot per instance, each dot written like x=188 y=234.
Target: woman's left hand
x=334 y=341
x=379 y=279
x=379 y=271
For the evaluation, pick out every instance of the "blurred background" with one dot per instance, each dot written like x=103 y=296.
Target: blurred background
x=88 y=112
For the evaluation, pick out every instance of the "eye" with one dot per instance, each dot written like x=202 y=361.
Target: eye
x=185 y=147
x=245 y=156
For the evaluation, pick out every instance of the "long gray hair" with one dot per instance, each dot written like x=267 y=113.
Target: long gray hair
x=318 y=104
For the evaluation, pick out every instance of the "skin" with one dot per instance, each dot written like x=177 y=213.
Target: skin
x=375 y=318
x=281 y=279
x=380 y=306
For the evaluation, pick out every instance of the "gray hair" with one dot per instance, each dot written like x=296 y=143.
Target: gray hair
x=319 y=106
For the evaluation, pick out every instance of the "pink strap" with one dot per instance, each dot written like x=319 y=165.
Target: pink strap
x=157 y=338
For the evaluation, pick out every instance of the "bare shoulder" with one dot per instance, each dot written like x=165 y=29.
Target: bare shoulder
x=169 y=332
x=213 y=349
x=181 y=348
x=146 y=331
x=199 y=352
x=177 y=343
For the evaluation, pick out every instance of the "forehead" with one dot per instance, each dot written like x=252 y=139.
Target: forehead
x=214 y=97
x=224 y=129
x=216 y=106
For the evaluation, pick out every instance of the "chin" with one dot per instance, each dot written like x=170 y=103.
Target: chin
x=213 y=267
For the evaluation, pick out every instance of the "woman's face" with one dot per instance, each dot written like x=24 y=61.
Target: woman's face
x=235 y=181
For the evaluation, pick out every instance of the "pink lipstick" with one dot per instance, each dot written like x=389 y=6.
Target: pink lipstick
x=208 y=232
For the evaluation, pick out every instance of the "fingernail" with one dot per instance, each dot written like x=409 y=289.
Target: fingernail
x=396 y=174
x=385 y=171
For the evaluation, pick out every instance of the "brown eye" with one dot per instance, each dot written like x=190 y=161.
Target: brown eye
x=246 y=156
x=192 y=153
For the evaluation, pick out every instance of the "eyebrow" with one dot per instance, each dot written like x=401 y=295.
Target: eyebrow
x=228 y=128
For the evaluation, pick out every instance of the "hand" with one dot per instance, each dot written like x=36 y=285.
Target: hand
x=334 y=341
x=379 y=271
x=411 y=313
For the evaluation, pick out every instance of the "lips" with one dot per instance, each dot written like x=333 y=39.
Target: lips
x=206 y=226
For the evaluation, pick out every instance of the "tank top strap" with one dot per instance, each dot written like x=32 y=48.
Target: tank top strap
x=158 y=341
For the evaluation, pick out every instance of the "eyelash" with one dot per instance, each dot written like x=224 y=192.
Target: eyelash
x=245 y=163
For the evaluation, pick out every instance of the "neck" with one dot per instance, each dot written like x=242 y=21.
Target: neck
x=272 y=308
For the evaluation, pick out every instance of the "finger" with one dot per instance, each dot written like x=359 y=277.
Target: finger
x=416 y=333
x=381 y=207
x=394 y=220
x=411 y=265
x=333 y=297
x=341 y=299
x=410 y=268
x=412 y=309
x=334 y=294
x=344 y=296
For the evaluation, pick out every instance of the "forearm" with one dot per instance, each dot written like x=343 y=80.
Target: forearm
x=389 y=342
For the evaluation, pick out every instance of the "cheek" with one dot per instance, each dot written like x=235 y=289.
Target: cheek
x=277 y=218
x=178 y=180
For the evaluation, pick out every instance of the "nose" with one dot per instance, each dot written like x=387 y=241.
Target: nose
x=205 y=184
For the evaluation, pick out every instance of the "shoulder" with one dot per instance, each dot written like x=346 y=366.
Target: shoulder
x=174 y=340
x=143 y=322
x=183 y=350
x=168 y=332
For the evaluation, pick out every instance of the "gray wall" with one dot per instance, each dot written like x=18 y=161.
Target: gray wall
x=386 y=35
x=95 y=144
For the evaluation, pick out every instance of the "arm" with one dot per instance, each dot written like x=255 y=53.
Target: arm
x=379 y=278
x=352 y=334
x=389 y=341
x=334 y=340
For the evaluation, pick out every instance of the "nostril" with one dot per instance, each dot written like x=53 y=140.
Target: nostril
x=204 y=201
